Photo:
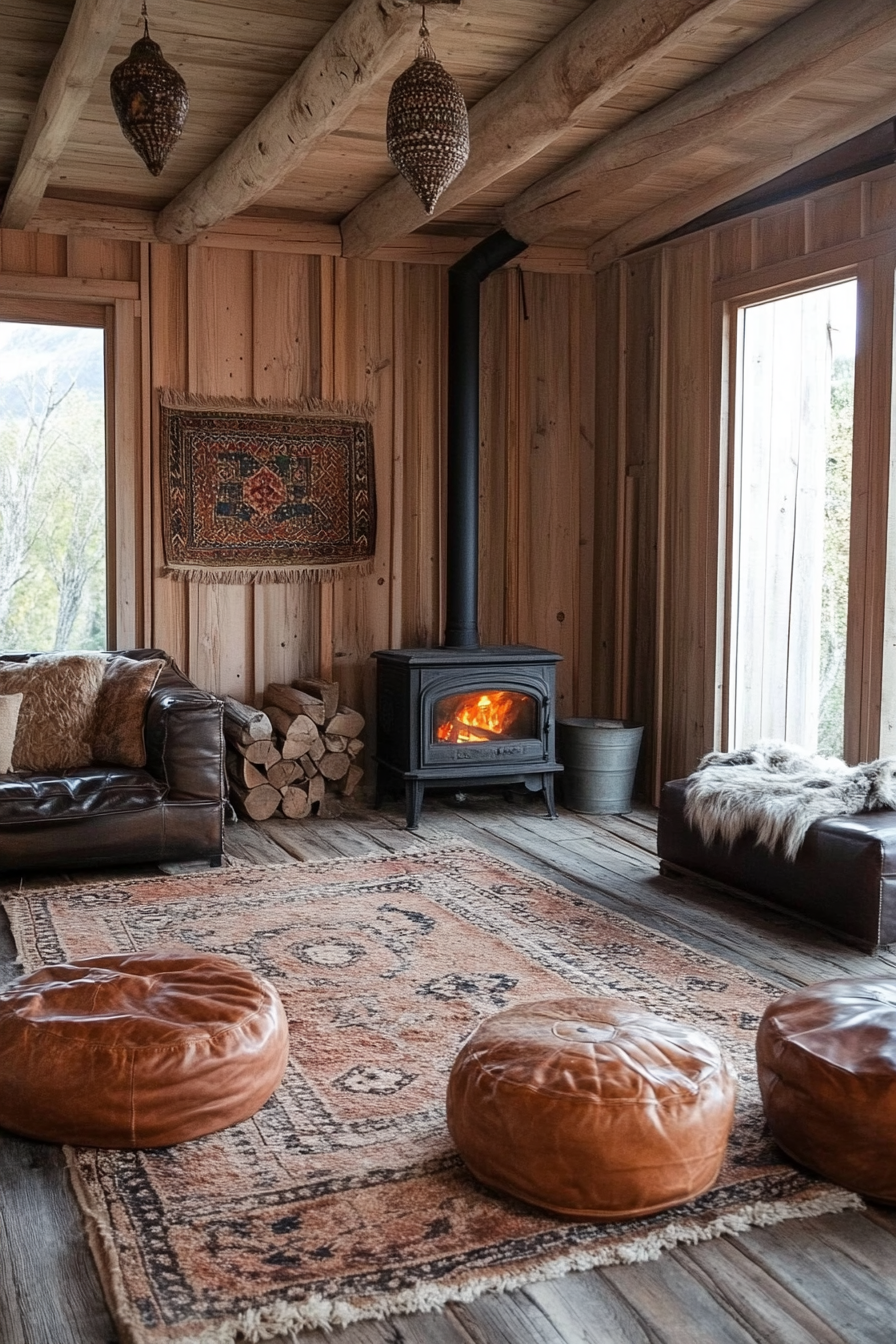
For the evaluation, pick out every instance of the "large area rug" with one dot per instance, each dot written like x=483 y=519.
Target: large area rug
x=263 y=492
x=343 y=1197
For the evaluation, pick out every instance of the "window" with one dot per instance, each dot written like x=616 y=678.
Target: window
x=52 y=487
x=788 y=585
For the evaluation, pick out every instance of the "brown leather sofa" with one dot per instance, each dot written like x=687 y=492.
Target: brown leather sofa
x=843 y=878
x=171 y=810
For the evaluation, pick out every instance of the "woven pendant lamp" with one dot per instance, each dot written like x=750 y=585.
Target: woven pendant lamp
x=150 y=100
x=427 y=132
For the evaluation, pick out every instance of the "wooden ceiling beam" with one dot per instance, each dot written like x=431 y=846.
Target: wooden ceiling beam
x=364 y=42
x=679 y=210
x=815 y=43
x=600 y=52
x=92 y=29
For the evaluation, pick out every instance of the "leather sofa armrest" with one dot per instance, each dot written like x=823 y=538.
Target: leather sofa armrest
x=185 y=737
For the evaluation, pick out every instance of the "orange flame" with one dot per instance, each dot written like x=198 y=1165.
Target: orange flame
x=488 y=710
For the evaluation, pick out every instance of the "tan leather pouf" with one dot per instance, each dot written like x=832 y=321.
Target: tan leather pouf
x=827 y=1073
x=591 y=1107
x=138 y=1050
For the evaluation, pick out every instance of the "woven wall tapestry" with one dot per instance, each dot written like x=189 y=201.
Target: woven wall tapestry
x=265 y=492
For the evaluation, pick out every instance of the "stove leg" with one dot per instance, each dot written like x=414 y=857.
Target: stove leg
x=548 y=786
x=413 y=793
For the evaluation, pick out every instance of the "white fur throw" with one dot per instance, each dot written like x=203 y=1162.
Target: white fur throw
x=777 y=791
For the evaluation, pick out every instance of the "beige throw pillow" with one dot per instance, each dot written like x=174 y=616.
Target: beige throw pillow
x=9 y=717
x=56 y=718
x=121 y=708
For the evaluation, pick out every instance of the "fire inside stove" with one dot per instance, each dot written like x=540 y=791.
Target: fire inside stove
x=484 y=716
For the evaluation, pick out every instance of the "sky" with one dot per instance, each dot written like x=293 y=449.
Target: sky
x=54 y=354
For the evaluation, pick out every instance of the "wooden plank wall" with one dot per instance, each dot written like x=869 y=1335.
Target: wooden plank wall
x=662 y=397
x=240 y=322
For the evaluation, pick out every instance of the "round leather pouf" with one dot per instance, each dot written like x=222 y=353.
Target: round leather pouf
x=827 y=1073
x=591 y=1107
x=137 y=1051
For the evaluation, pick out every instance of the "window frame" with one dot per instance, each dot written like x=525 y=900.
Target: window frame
x=121 y=360
x=870 y=691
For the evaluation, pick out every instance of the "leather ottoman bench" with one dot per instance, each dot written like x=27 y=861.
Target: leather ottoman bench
x=592 y=1108
x=843 y=878
x=826 y=1059
x=138 y=1049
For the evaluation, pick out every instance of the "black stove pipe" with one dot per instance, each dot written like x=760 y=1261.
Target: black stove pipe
x=464 y=279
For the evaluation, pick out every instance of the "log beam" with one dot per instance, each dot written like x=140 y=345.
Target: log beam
x=604 y=49
x=810 y=46
x=364 y=42
x=679 y=210
x=92 y=29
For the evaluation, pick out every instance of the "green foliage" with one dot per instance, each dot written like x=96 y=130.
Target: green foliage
x=52 y=517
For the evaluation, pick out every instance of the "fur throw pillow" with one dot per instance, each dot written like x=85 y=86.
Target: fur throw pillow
x=59 y=691
x=9 y=718
x=121 y=708
x=776 y=791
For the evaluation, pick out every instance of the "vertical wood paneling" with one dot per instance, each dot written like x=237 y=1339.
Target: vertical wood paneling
x=327 y=272
x=674 y=411
x=780 y=236
x=550 y=477
x=220 y=357
x=365 y=372
x=604 y=502
x=641 y=408
x=126 y=476
x=516 y=417
x=145 y=439
x=103 y=258
x=229 y=322
x=33 y=253
x=421 y=320
x=169 y=326
x=583 y=337
x=868 y=526
x=837 y=216
x=691 y=510
x=286 y=365
x=733 y=249
x=881 y=203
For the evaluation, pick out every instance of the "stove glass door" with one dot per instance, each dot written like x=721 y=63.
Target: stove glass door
x=485 y=716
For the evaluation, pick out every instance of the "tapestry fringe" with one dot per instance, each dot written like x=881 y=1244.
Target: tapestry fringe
x=292 y=574
x=173 y=400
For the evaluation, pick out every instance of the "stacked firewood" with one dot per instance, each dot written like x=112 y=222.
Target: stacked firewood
x=300 y=751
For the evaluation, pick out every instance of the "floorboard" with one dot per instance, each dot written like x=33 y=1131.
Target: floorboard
x=829 y=1280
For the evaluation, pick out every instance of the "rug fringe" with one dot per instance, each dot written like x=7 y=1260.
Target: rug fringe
x=173 y=400
x=318 y=1313
x=354 y=569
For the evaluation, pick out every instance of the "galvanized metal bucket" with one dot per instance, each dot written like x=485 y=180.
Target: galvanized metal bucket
x=599 y=758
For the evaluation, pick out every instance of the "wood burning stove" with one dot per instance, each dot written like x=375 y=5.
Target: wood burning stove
x=462 y=717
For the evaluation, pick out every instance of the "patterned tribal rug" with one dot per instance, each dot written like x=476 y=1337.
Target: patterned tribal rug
x=257 y=492
x=343 y=1198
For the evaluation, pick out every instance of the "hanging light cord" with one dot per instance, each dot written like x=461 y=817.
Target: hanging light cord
x=145 y=19
x=426 y=52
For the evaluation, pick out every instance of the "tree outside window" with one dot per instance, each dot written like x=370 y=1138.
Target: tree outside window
x=52 y=488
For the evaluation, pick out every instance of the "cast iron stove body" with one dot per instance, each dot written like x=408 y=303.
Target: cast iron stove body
x=464 y=715
x=458 y=718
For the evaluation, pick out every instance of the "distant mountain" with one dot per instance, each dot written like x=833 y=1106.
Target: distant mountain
x=55 y=356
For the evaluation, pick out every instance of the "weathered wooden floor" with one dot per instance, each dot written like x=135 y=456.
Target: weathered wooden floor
x=828 y=1280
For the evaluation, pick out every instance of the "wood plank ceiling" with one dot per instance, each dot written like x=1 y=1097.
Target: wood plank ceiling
x=598 y=126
